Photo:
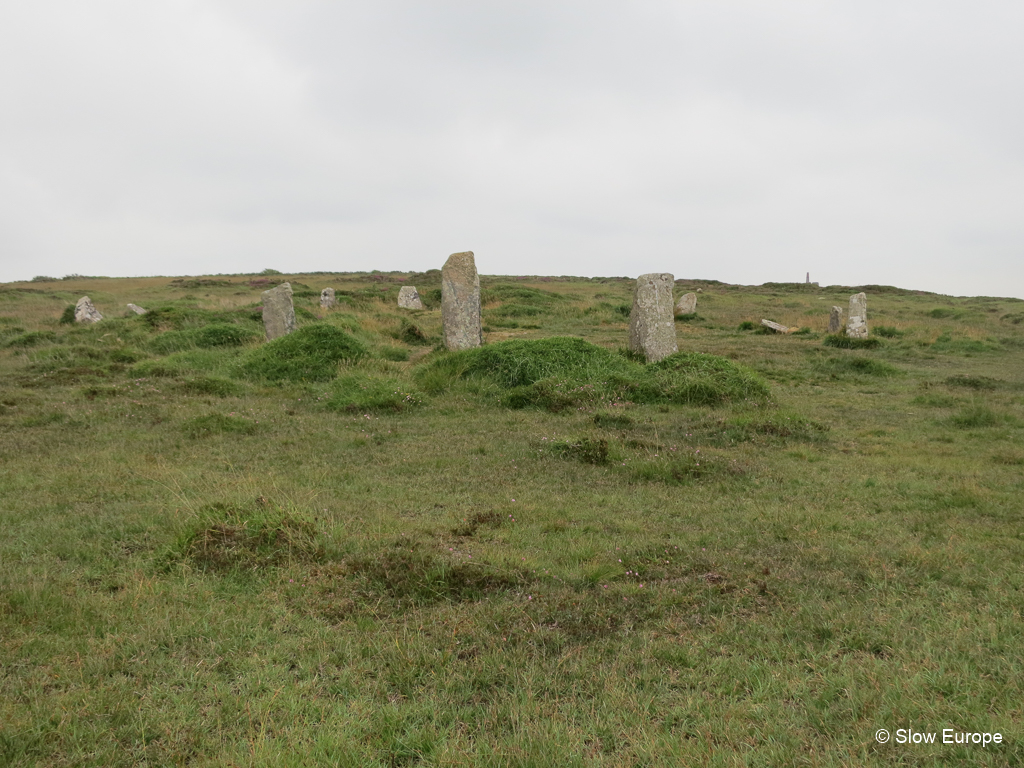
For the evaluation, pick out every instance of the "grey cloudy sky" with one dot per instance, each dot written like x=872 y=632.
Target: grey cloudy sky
x=865 y=141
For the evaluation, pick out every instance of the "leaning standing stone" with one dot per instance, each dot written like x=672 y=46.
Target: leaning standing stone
x=835 y=320
x=652 y=328
x=327 y=299
x=278 y=311
x=687 y=304
x=460 y=302
x=85 y=312
x=857 y=323
x=409 y=298
x=136 y=309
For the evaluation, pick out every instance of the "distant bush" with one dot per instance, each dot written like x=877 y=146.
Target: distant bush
x=312 y=353
x=43 y=279
x=840 y=341
x=941 y=313
x=68 y=315
x=269 y=272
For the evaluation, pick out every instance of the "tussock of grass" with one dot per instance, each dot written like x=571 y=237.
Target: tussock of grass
x=589 y=450
x=205 y=337
x=312 y=353
x=229 y=538
x=979 y=416
x=837 y=367
x=971 y=381
x=887 y=331
x=686 y=467
x=32 y=339
x=841 y=341
x=210 y=385
x=218 y=423
x=754 y=427
x=561 y=373
x=359 y=392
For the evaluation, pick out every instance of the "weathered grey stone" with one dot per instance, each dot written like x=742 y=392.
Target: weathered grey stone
x=136 y=309
x=777 y=327
x=652 y=327
x=857 y=320
x=687 y=305
x=835 y=320
x=460 y=302
x=85 y=312
x=409 y=298
x=278 y=311
x=327 y=299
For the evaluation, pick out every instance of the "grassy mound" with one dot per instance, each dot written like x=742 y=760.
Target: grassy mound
x=561 y=373
x=359 y=392
x=311 y=353
x=205 y=337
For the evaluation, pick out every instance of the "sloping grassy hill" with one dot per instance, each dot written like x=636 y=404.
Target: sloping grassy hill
x=349 y=547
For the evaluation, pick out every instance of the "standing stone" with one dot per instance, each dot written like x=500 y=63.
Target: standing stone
x=857 y=322
x=460 y=302
x=136 y=309
x=409 y=298
x=687 y=304
x=652 y=328
x=327 y=299
x=278 y=311
x=835 y=320
x=85 y=312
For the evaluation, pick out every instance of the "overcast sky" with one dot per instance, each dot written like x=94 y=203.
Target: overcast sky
x=864 y=141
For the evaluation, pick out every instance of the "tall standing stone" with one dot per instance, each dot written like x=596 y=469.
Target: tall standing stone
x=857 y=320
x=460 y=302
x=687 y=304
x=652 y=327
x=85 y=312
x=327 y=299
x=409 y=297
x=278 y=311
x=835 y=320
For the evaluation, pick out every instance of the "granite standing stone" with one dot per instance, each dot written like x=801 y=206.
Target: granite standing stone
x=857 y=320
x=652 y=327
x=278 y=311
x=460 y=302
x=327 y=299
x=85 y=312
x=409 y=298
x=835 y=320
x=687 y=304
x=136 y=309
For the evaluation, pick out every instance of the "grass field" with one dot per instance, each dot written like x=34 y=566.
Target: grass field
x=349 y=547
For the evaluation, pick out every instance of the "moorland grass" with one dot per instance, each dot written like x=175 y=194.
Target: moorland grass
x=206 y=568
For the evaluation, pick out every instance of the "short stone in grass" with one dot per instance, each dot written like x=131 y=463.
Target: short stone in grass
x=652 y=327
x=85 y=312
x=687 y=305
x=327 y=299
x=409 y=298
x=857 y=324
x=136 y=309
x=835 y=320
x=278 y=311
x=460 y=302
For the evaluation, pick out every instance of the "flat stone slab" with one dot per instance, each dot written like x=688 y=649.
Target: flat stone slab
x=777 y=327
x=85 y=312
x=409 y=298
x=652 y=325
x=278 y=311
x=460 y=302
x=136 y=309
